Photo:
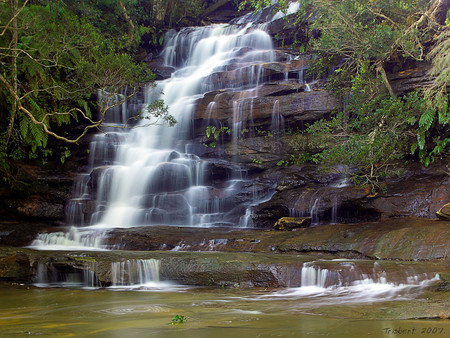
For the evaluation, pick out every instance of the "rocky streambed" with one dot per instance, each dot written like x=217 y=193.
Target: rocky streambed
x=230 y=269
x=407 y=239
x=396 y=249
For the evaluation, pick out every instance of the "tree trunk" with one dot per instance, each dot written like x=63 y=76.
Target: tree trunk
x=14 y=83
x=130 y=23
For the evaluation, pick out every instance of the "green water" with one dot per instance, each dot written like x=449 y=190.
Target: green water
x=64 y=312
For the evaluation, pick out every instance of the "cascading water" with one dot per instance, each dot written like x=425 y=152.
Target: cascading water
x=130 y=274
x=135 y=273
x=145 y=176
x=50 y=275
x=349 y=284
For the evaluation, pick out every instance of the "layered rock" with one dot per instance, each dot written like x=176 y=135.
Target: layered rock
x=208 y=269
x=255 y=108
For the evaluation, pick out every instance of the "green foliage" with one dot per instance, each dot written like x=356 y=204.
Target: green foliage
x=178 y=319
x=376 y=127
x=61 y=60
x=149 y=19
x=213 y=134
x=370 y=135
x=155 y=112
x=256 y=5
x=434 y=121
x=367 y=29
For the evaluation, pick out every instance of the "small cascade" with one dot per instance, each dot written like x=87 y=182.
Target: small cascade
x=301 y=78
x=277 y=124
x=312 y=211
x=242 y=112
x=348 y=274
x=312 y=276
x=135 y=273
x=347 y=283
x=334 y=211
x=315 y=211
x=246 y=220
x=292 y=8
x=50 y=275
x=74 y=239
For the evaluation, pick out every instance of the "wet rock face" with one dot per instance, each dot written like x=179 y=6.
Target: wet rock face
x=227 y=269
x=42 y=196
x=14 y=266
x=420 y=192
x=297 y=106
x=331 y=198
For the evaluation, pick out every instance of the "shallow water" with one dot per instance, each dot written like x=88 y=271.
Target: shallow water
x=63 y=312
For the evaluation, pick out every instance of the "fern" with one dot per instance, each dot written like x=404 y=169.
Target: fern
x=24 y=128
x=427 y=119
x=421 y=139
x=40 y=136
x=444 y=114
x=34 y=104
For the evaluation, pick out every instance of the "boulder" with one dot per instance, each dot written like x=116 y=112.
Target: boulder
x=289 y=223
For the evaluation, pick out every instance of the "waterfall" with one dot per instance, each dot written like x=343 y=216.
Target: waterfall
x=277 y=124
x=312 y=276
x=153 y=180
x=347 y=283
x=49 y=275
x=313 y=209
x=134 y=273
x=146 y=175
x=73 y=239
x=137 y=272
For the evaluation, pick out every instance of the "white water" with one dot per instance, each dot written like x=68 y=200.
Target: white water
x=47 y=275
x=134 y=274
x=145 y=176
x=141 y=274
x=325 y=286
x=154 y=181
x=73 y=239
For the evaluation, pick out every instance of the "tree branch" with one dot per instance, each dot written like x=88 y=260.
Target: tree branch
x=129 y=21
x=13 y=18
x=381 y=70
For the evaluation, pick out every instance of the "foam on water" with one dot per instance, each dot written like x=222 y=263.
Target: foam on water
x=322 y=286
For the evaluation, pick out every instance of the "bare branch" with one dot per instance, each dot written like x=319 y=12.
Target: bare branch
x=13 y=18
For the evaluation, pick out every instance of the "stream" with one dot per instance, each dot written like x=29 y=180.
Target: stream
x=61 y=312
x=154 y=175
